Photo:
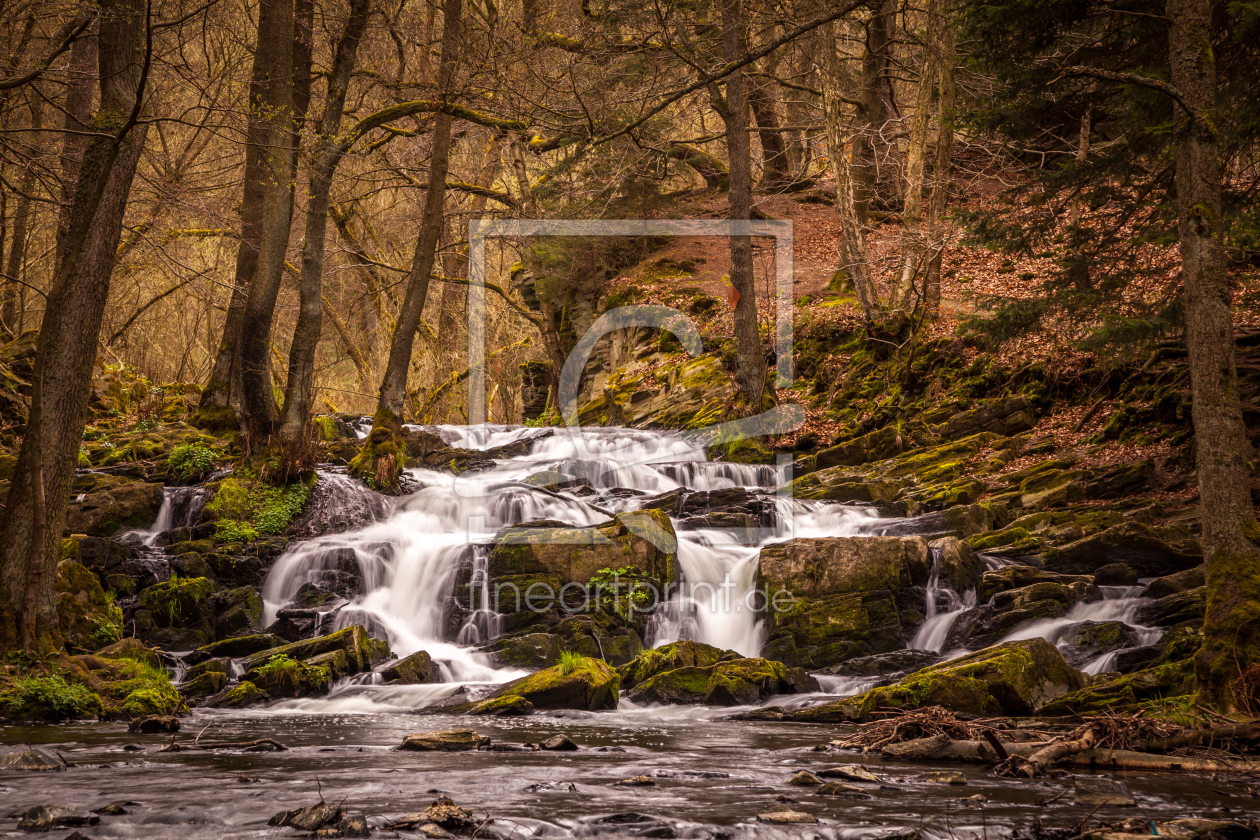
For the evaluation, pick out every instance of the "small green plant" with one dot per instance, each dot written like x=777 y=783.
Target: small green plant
x=231 y=531
x=570 y=661
x=276 y=516
x=49 y=698
x=548 y=418
x=283 y=665
x=191 y=460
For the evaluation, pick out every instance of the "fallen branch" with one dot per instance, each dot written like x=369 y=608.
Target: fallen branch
x=259 y=745
x=1036 y=764
x=1234 y=732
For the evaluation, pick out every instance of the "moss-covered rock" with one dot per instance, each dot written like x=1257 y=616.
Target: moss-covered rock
x=680 y=686
x=156 y=698
x=1176 y=583
x=236 y=611
x=511 y=705
x=1015 y=678
x=48 y=698
x=1152 y=552
x=717 y=678
x=591 y=684
x=411 y=670
x=445 y=740
x=684 y=654
x=88 y=620
x=281 y=676
x=236 y=647
x=204 y=685
x=119 y=505
x=362 y=651
x=1125 y=692
x=1174 y=609
x=130 y=649
x=177 y=613
x=244 y=693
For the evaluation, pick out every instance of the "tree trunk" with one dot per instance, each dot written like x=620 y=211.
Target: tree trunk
x=288 y=104
x=34 y=517
x=853 y=261
x=77 y=122
x=913 y=247
x=775 y=168
x=941 y=167
x=752 y=363
x=1231 y=537
x=381 y=457
x=9 y=318
x=871 y=111
x=299 y=394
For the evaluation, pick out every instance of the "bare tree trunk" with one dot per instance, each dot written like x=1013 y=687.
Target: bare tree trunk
x=9 y=318
x=752 y=362
x=1231 y=537
x=912 y=245
x=381 y=457
x=775 y=168
x=34 y=517
x=871 y=112
x=852 y=242
x=258 y=402
x=299 y=394
x=77 y=122
x=942 y=166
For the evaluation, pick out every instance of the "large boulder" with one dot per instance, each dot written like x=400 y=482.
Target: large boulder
x=176 y=614
x=1015 y=678
x=120 y=505
x=684 y=654
x=1174 y=609
x=236 y=611
x=733 y=682
x=1007 y=610
x=957 y=565
x=1148 y=550
x=585 y=684
x=1126 y=692
x=411 y=670
x=1176 y=583
x=86 y=618
x=833 y=598
x=445 y=740
x=352 y=648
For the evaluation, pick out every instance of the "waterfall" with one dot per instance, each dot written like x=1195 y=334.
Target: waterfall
x=936 y=625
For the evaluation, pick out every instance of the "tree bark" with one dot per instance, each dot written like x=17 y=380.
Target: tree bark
x=291 y=96
x=9 y=318
x=913 y=247
x=1231 y=537
x=752 y=363
x=776 y=170
x=941 y=167
x=299 y=393
x=852 y=236
x=34 y=517
x=76 y=121
x=871 y=112
x=381 y=457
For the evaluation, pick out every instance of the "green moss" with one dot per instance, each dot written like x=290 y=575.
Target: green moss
x=243 y=694
x=245 y=506
x=508 y=706
x=49 y=698
x=189 y=461
x=177 y=601
x=327 y=427
x=381 y=459
x=155 y=698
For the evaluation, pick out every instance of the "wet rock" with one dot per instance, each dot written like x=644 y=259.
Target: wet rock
x=671 y=657
x=412 y=670
x=308 y=819
x=732 y=508
x=236 y=611
x=114 y=809
x=1010 y=578
x=1176 y=583
x=176 y=613
x=36 y=758
x=592 y=685
x=852 y=772
x=445 y=740
x=118 y=505
x=153 y=724
x=1014 y=678
x=1125 y=692
x=897 y=663
x=960 y=521
x=1146 y=549
x=634 y=825
x=1082 y=642
x=361 y=650
x=805 y=779
x=337 y=504
x=443 y=814
x=244 y=693
x=86 y=618
x=842 y=789
x=1215 y=828
x=958 y=565
x=558 y=743
x=508 y=706
x=946 y=777
x=1116 y=574
x=732 y=682
x=132 y=649
x=355 y=826
x=1007 y=610
x=1174 y=609
x=1096 y=791
x=47 y=817
x=550 y=787
x=815 y=567
x=234 y=648
x=787 y=817
x=637 y=781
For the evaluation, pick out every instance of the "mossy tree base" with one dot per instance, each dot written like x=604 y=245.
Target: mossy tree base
x=381 y=458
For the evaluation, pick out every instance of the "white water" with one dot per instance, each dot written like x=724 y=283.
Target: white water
x=409 y=560
x=1120 y=603
x=936 y=625
x=190 y=498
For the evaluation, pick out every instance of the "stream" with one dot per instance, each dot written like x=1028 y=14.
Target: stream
x=712 y=776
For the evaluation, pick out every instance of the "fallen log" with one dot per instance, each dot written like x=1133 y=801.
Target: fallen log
x=1035 y=765
x=258 y=745
x=980 y=752
x=1249 y=731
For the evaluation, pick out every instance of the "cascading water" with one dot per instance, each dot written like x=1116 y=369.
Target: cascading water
x=410 y=558
x=937 y=623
